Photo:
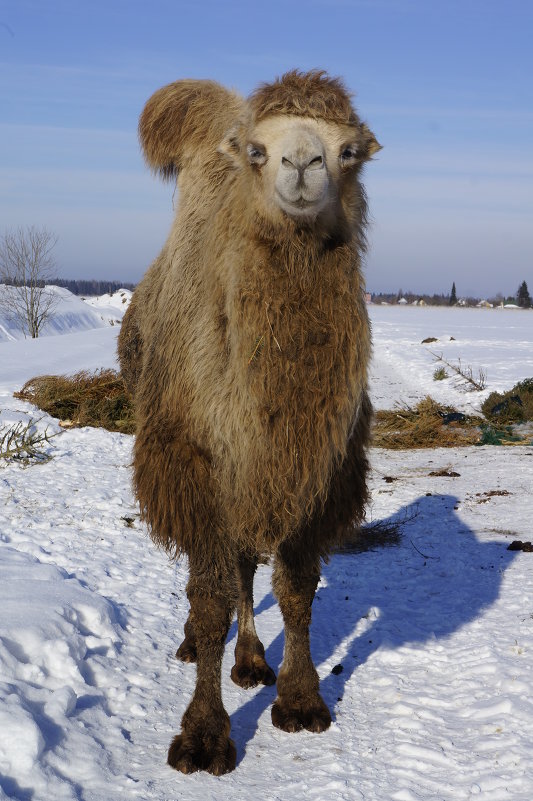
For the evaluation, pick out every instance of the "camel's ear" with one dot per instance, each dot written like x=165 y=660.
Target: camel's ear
x=160 y=128
x=231 y=145
x=234 y=140
x=183 y=118
x=370 y=144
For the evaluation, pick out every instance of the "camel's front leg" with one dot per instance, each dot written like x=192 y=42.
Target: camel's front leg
x=204 y=743
x=250 y=668
x=299 y=704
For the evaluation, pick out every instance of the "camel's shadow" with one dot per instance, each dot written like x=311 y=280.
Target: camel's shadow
x=438 y=579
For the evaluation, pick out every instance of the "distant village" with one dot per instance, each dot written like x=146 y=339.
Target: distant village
x=384 y=299
x=521 y=300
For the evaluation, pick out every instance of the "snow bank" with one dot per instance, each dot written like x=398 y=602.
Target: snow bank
x=51 y=628
x=112 y=306
x=71 y=313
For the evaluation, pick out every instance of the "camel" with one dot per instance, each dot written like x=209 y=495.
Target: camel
x=246 y=348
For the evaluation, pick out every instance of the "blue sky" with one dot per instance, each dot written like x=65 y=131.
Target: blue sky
x=447 y=87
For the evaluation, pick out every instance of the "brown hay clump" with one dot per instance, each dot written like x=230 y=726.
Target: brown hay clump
x=513 y=406
x=426 y=425
x=96 y=399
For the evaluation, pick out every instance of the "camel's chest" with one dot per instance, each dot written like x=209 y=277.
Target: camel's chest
x=291 y=348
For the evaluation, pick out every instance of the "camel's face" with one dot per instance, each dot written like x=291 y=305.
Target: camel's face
x=300 y=162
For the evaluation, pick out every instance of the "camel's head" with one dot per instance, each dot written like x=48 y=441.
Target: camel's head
x=302 y=144
x=297 y=142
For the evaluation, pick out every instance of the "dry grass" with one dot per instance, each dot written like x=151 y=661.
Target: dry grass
x=378 y=534
x=513 y=406
x=85 y=399
x=440 y=374
x=426 y=425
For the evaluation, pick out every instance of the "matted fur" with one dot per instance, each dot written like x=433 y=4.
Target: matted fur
x=312 y=94
x=246 y=348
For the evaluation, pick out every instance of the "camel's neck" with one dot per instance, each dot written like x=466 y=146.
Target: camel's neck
x=299 y=345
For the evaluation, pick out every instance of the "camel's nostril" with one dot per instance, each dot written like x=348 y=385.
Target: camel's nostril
x=315 y=163
x=302 y=163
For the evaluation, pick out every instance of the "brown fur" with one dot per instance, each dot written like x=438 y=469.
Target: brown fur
x=313 y=94
x=246 y=348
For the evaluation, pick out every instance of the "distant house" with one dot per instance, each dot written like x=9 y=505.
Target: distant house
x=402 y=302
x=484 y=304
x=510 y=306
x=368 y=297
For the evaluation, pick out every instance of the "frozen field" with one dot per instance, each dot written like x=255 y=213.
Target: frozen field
x=435 y=635
x=497 y=341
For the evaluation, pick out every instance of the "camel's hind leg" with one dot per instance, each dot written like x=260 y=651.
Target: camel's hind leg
x=250 y=668
x=204 y=742
x=299 y=704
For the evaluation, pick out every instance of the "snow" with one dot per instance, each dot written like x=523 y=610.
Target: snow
x=112 y=306
x=497 y=341
x=71 y=313
x=434 y=634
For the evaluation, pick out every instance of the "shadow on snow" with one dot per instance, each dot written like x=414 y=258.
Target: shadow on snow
x=438 y=579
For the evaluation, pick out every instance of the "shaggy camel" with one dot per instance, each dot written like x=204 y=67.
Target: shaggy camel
x=246 y=349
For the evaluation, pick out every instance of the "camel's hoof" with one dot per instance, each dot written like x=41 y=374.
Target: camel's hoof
x=187 y=651
x=252 y=670
x=313 y=716
x=189 y=754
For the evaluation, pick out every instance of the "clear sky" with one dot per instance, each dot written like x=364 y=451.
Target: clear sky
x=446 y=85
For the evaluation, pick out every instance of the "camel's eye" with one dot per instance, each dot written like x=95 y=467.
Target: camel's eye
x=256 y=154
x=348 y=156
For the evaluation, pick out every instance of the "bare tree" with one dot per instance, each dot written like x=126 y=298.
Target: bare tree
x=26 y=266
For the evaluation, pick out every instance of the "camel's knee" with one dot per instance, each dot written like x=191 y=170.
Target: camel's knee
x=187 y=651
x=212 y=616
x=294 y=582
x=212 y=593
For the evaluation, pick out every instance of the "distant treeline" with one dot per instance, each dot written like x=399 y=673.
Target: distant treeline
x=410 y=297
x=91 y=288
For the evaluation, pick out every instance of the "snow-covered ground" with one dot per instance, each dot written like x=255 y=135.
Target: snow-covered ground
x=497 y=341
x=435 y=635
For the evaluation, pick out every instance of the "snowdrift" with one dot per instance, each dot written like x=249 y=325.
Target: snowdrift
x=71 y=313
